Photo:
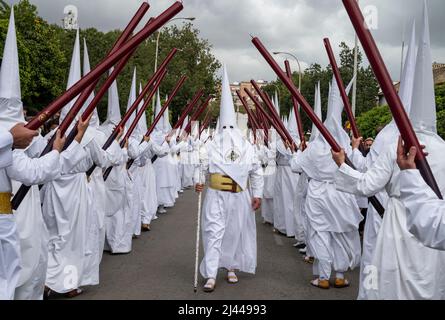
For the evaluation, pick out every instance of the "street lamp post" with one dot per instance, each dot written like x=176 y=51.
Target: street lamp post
x=300 y=77
x=157 y=47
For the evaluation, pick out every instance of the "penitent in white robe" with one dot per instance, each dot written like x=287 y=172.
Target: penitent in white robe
x=31 y=227
x=228 y=221
x=66 y=208
x=425 y=211
x=373 y=220
x=18 y=166
x=333 y=216
x=402 y=267
x=268 y=155
x=9 y=241
x=96 y=216
x=146 y=178
x=166 y=173
x=188 y=161
x=284 y=193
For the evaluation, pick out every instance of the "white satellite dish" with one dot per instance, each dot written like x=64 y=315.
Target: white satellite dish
x=70 y=19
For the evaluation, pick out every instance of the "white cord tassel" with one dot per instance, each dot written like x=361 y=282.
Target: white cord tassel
x=198 y=230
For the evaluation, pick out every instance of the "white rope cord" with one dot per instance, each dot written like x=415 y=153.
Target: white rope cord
x=198 y=229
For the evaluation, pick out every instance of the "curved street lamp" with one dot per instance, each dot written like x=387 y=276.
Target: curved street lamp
x=299 y=66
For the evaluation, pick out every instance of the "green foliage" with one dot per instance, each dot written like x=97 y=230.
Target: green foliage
x=193 y=59
x=441 y=123
x=40 y=55
x=367 y=86
x=45 y=55
x=370 y=121
x=440 y=97
x=440 y=104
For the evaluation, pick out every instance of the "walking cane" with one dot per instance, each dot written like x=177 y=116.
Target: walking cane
x=198 y=230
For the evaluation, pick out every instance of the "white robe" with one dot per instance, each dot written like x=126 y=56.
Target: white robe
x=166 y=174
x=147 y=180
x=333 y=216
x=373 y=220
x=66 y=207
x=188 y=161
x=284 y=193
x=402 y=267
x=32 y=232
x=28 y=171
x=269 y=172
x=425 y=212
x=96 y=216
x=228 y=221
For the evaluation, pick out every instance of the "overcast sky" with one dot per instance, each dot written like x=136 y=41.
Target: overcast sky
x=296 y=26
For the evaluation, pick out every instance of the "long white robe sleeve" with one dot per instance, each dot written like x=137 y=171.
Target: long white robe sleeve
x=425 y=212
x=5 y=149
x=366 y=184
x=34 y=171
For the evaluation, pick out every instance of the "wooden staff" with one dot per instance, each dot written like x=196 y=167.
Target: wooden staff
x=296 y=109
x=161 y=113
x=249 y=112
x=138 y=116
x=271 y=120
x=134 y=106
x=23 y=189
x=102 y=67
x=188 y=109
x=309 y=111
x=395 y=104
x=197 y=113
x=273 y=112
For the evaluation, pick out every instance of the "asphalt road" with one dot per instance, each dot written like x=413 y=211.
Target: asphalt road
x=161 y=266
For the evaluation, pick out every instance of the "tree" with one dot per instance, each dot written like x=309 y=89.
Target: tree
x=40 y=56
x=441 y=123
x=367 y=86
x=194 y=59
x=370 y=121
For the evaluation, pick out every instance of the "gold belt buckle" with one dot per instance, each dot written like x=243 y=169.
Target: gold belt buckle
x=5 y=203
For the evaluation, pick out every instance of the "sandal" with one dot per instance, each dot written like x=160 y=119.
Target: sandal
x=73 y=293
x=231 y=277
x=209 y=286
x=319 y=283
x=309 y=260
x=341 y=283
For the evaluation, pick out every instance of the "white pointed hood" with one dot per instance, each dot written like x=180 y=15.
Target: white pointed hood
x=166 y=118
x=131 y=100
x=334 y=116
x=11 y=107
x=114 y=110
x=276 y=103
x=227 y=115
x=292 y=125
x=160 y=125
x=387 y=138
x=317 y=110
x=142 y=125
x=94 y=122
x=74 y=75
x=423 y=106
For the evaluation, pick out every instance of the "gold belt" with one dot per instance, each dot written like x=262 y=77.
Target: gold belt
x=5 y=203
x=224 y=183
